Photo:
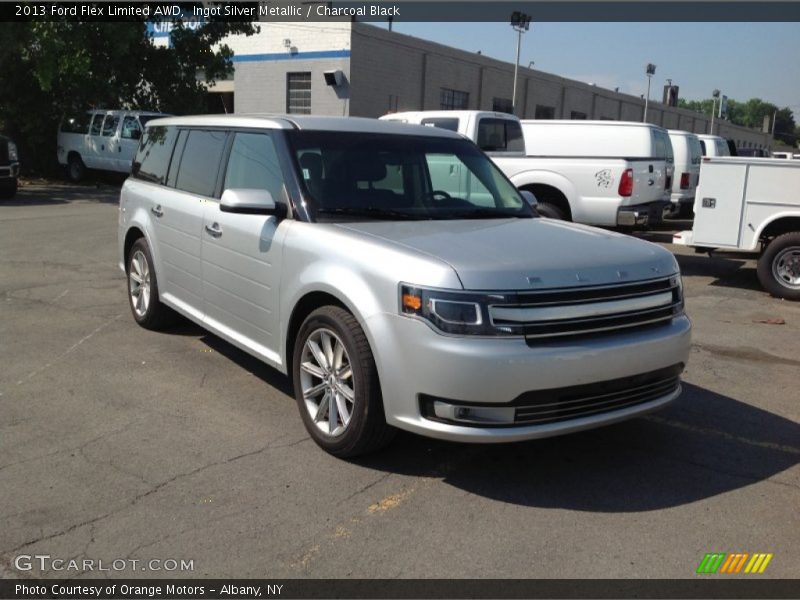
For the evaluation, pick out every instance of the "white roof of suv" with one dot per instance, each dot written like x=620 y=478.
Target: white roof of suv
x=271 y=121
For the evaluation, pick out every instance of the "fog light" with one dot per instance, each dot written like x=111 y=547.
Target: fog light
x=474 y=415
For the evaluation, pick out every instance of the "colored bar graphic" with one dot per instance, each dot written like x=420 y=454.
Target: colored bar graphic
x=720 y=562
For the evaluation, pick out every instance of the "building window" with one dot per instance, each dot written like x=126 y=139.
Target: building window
x=545 y=112
x=298 y=93
x=454 y=99
x=577 y=115
x=502 y=105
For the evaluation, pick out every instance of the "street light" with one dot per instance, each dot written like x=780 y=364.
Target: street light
x=521 y=23
x=649 y=70
x=714 y=96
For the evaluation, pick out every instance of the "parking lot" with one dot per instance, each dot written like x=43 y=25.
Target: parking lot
x=121 y=443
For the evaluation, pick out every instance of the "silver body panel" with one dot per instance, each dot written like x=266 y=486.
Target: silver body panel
x=245 y=284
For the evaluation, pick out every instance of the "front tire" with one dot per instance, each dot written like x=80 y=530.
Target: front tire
x=147 y=309
x=779 y=266
x=336 y=385
x=551 y=211
x=76 y=170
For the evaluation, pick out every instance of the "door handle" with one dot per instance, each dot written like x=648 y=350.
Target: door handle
x=214 y=230
x=156 y=210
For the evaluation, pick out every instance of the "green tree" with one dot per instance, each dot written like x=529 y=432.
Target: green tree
x=751 y=114
x=56 y=68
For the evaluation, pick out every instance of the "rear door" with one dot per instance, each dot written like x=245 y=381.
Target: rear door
x=242 y=252
x=664 y=164
x=187 y=180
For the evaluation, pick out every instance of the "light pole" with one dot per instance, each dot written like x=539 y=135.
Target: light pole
x=714 y=96
x=521 y=23
x=649 y=70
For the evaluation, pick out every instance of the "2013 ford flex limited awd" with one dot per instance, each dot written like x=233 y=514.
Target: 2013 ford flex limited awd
x=328 y=248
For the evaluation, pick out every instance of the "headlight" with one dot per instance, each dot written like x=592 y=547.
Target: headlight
x=12 y=152
x=460 y=313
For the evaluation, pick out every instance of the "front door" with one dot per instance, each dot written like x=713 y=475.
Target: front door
x=242 y=252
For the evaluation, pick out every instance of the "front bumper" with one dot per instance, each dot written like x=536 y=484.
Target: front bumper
x=9 y=171
x=644 y=215
x=415 y=363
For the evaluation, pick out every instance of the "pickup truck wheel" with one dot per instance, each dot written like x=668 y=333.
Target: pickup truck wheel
x=76 y=170
x=147 y=309
x=8 y=189
x=336 y=384
x=779 y=266
x=551 y=211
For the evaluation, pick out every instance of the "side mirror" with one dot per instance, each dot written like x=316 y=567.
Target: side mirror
x=250 y=202
x=529 y=198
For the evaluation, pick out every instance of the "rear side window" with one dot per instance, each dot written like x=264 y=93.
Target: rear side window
x=695 y=150
x=500 y=135
x=441 y=123
x=110 y=125
x=702 y=147
x=131 y=130
x=663 y=146
x=254 y=164
x=200 y=162
x=154 y=153
x=76 y=123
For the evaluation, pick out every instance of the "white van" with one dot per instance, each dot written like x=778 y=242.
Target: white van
x=688 y=154
x=784 y=155
x=101 y=139
x=714 y=145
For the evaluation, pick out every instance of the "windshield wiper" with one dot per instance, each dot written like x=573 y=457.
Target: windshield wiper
x=372 y=212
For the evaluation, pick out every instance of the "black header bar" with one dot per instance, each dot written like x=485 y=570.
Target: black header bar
x=413 y=11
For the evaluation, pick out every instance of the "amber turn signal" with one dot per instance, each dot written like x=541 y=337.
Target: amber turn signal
x=412 y=302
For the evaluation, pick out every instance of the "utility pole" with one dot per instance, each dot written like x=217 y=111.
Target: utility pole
x=649 y=70
x=521 y=23
x=774 y=119
x=714 y=96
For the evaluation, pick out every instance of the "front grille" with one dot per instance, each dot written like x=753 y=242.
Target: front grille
x=551 y=314
x=553 y=406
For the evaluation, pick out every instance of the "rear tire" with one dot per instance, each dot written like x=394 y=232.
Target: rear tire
x=8 y=189
x=76 y=170
x=336 y=385
x=551 y=211
x=779 y=266
x=147 y=309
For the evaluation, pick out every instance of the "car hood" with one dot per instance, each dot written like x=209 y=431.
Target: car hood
x=515 y=254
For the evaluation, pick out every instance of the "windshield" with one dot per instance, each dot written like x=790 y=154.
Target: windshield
x=401 y=177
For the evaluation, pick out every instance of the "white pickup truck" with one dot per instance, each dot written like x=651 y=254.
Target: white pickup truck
x=595 y=172
x=751 y=205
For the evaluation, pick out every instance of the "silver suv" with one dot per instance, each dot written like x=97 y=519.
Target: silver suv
x=327 y=248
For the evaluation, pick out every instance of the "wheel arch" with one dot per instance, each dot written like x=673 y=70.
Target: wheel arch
x=548 y=186
x=778 y=225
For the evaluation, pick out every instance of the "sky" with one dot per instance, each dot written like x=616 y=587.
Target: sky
x=743 y=60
